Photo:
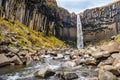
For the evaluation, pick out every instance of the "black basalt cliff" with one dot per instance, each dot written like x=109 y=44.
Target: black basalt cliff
x=101 y=22
x=50 y=19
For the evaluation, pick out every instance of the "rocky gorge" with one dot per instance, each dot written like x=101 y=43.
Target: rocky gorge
x=29 y=49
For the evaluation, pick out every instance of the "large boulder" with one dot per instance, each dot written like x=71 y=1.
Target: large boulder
x=100 y=54
x=106 y=75
x=111 y=47
x=108 y=61
x=4 y=60
x=44 y=73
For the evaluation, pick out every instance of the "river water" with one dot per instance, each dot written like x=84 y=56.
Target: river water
x=27 y=72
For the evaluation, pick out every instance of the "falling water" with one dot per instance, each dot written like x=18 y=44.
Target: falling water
x=79 y=33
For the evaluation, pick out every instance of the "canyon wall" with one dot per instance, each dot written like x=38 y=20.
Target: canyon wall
x=50 y=19
x=101 y=22
x=41 y=15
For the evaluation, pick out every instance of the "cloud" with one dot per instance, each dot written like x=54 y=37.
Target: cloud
x=80 y=5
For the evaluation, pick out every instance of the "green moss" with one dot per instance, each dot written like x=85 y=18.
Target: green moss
x=50 y=3
x=34 y=38
x=10 y=46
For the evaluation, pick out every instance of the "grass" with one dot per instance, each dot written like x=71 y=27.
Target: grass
x=34 y=38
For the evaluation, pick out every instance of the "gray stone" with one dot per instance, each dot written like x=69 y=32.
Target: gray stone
x=16 y=60
x=70 y=76
x=4 y=60
x=44 y=73
x=106 y=75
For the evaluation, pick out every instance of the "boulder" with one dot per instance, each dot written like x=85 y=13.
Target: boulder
x=36 y=58
x=70 y=63
x=16 y=60
x=109 y=61
x=88 y=60
x=106 y=75
x=44 y=73
x=59 y=56
x=107 y=67
x=70 y=76
x=116 y=61
x=111 y=47
x=28 y=59
x=74 y=55
x=101 y=54
x=117 y=55
x=4 y=60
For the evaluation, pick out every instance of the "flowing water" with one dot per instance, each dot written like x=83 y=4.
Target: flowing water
x=79 y=33
x=27 y=72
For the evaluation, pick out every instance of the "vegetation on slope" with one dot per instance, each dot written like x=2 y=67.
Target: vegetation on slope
x=25 y=37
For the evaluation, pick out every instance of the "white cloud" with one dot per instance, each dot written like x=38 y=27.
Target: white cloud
x=80 y=5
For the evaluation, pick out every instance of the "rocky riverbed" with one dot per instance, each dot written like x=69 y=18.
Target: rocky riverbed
x=92 y=63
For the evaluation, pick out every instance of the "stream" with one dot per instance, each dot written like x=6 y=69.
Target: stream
x=27 y=72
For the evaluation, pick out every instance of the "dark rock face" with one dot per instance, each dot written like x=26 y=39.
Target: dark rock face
x=41 y=15
x=102 y=21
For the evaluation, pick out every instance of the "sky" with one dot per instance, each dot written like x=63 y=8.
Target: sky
x=78 y=6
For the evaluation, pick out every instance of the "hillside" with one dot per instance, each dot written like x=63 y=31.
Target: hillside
x=15 y=34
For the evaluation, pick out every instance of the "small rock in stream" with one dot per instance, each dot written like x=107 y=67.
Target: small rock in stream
x=44 y=73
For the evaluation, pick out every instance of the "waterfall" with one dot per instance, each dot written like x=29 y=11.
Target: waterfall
x=79 y=33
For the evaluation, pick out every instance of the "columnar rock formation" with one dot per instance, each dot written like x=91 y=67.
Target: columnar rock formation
x=40 y=15
x=101 y=22
x=45 y=16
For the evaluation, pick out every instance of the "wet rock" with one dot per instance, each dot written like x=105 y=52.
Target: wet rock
x=70 y=63
x=74 y=55
x=70 y=76
x=36 y=58
x=59 y=76
x=94 y=78
x=53 y=53
x=85 y=74
x=108 y=61
x=106 y=75
x=4 y=60
x=88 y=60
x=59 y=56
x=44 y=73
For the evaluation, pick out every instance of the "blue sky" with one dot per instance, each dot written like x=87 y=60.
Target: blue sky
x=78 y=6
